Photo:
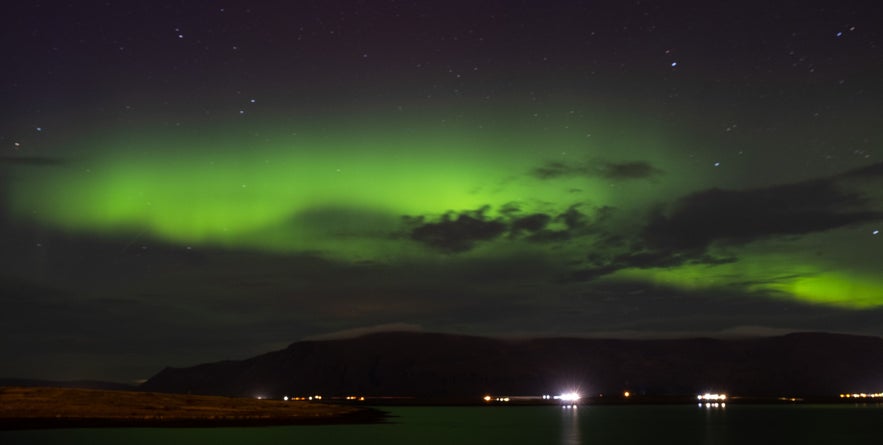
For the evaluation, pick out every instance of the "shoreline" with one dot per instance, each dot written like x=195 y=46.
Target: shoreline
x=363 y=416
x=54 y=408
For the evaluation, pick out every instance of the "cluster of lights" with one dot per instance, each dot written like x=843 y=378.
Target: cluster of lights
x=569 y=399
x=359 y=398
x=316 y=397
x=710 y=400
x=862 y=395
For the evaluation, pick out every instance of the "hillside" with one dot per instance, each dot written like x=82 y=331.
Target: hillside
x=452 y=366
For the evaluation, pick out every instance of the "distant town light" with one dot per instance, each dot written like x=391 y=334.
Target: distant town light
x=712 y=400
x=569 y=397
x=863 y=395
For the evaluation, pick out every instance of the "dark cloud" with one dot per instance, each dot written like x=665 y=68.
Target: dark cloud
x=647 y=259
x=742 y=216
x=616 y=171
x=510 y=208
x=628 y=170
x=530 y=223
x=553 y=170
x=33 y=161
x=684 y=233
x=458 y=232
x=575 y=223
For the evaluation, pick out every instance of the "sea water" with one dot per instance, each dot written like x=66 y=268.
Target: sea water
x=649 y=424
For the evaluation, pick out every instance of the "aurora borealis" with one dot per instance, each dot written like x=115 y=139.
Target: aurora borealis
x=280 y=192
x=204 y=181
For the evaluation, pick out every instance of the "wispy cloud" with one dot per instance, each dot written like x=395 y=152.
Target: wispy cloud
x=615 y=171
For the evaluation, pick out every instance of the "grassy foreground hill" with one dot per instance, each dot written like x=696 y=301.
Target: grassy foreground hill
x=27 y=408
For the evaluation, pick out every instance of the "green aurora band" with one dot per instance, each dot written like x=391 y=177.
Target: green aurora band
x=259 y=189
x=344 y=193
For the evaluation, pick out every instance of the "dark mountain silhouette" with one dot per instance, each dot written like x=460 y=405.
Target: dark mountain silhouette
x=438 y=366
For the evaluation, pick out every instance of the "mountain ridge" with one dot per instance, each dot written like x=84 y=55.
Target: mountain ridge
x=427 y=365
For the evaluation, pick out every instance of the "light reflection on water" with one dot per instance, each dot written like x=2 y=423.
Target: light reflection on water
x=587 y=424
x=570 y=426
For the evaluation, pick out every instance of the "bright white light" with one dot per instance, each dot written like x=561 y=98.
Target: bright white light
x=285 y=398
x=569 y=397
x=708 y=396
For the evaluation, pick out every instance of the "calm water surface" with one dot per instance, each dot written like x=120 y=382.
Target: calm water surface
x=682 y=424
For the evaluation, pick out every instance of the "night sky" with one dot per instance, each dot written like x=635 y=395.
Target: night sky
x=183 y=182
